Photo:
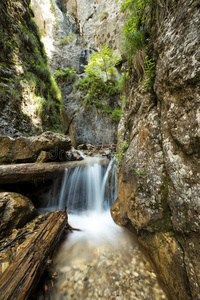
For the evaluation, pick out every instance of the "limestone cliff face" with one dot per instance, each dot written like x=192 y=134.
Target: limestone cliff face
x=159 y=179
x=71 y=31
x=29 y=96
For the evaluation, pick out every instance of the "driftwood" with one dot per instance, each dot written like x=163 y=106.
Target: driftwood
x=71 y=229
x=22 y=276
x=36 y=172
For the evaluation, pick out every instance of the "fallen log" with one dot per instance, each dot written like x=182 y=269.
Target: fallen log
x=37 y=172
x=13 y=240
x=22 y=276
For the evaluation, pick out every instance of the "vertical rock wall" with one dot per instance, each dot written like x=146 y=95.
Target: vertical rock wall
x=159 y=178
x=29 y=96
x=72 y=31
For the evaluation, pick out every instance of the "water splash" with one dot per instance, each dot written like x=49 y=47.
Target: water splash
x=86 y=188
x=100 y=261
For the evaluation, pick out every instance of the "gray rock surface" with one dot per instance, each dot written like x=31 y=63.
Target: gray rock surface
x=84 y=26
x=159 y=177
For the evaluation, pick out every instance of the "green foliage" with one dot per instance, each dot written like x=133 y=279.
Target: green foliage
x=95 y=89
x=55 y=91
x=103 y=63
x=134 y=30
x=66 y=75
x=133 y=41
x=149 y=72
x=139 y=172
x=56 y=129
x=103 y=16
x=9 y=93
x=116 y=114
x=122 y=150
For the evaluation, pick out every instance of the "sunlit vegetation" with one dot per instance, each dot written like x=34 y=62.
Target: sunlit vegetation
x=65 y=76
x=136 y=40
x=101 y=82
x=26 y=67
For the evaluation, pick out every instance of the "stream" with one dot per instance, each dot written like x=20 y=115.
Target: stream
x=102 y=261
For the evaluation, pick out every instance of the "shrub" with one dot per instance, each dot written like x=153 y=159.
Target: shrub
x=135 y=33
x=116 y=114
x=102 y=64
x=66 y=75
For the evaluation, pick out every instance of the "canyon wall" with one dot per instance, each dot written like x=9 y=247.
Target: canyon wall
x=71 y=31
x=159 y=142
x=30 y=100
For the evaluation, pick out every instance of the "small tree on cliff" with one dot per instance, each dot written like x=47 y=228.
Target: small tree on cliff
x=102 y=64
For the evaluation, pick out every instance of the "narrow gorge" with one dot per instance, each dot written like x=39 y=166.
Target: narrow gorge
x=84 y=84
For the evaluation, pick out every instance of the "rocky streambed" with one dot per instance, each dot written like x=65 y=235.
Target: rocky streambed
x=102 y=262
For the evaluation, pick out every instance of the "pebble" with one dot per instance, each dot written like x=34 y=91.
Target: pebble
x=88 y=272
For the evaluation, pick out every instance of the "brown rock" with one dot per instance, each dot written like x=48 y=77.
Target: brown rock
x=159 y=169
x=44 y=157
x=26 y=149
x=15 y=211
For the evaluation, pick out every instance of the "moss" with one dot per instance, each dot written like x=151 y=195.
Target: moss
x=95 y=91
x=165 y=223
x=103 y=16
x=24 y=63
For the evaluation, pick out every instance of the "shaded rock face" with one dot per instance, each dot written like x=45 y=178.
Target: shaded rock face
x=159 y=177
x=15 y=211
x=88 y=125
x=29 y=99
x=71 y=31
x=24 y=149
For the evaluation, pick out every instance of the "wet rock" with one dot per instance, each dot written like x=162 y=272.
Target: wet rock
x=72 y=156
x=27 y=149
x=15 y=211
x=104 y=270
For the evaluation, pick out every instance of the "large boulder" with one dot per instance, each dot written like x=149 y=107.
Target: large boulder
x=27 y=149
x=15 y=211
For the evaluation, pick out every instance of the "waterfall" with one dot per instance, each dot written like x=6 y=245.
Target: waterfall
x=89 y=188
x=101 y=261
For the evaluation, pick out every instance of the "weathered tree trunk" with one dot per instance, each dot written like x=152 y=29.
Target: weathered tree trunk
x=36 y=172
x=31 y=172
x=22 y=276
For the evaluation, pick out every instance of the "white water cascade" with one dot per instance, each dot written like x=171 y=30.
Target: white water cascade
x=101 y=261
x=91 y=188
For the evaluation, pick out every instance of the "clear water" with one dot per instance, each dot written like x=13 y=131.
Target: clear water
x=101 y=261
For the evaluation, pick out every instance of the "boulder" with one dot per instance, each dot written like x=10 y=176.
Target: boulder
x=43 y=157
x=27 y=149
x=15 y=211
